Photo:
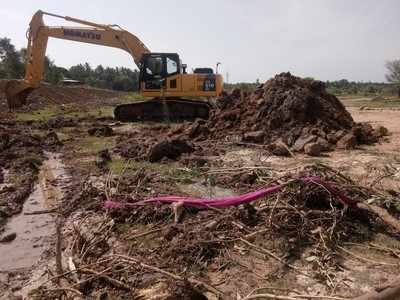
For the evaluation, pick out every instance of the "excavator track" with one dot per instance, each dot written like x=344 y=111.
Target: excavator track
x=162 y=110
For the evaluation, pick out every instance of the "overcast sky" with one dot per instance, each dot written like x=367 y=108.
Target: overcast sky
x=253 y=39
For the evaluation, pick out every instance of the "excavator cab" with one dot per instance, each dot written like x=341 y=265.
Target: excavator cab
x=156 y=67
x=163 y=76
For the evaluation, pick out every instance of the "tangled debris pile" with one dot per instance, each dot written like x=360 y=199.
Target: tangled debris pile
x=298 y=235
x=287 y=110
x=301 y=230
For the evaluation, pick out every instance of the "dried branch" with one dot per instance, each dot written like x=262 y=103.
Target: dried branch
x=112 y=281
x=59 y=247
x=171 y=275
x=265 y=251
x=388 y=292
x=367 y=259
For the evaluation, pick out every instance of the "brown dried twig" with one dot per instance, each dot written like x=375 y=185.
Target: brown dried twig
x=169 y=274
x=59 y=247
x=265 y=251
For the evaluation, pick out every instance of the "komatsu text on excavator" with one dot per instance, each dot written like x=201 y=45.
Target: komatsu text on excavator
x=162 y=75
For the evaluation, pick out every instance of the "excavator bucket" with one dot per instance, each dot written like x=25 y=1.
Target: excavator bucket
x=16 y=92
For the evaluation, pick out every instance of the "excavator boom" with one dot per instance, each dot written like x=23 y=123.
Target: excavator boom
x=161 y=74
x=38 y=34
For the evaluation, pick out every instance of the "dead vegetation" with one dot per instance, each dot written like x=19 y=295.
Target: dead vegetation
x=309 y=239
x=302 y=229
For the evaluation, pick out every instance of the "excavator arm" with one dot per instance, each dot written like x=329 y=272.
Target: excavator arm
x=38 y=34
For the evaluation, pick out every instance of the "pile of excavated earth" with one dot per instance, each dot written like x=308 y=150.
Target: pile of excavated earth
x=287 y=113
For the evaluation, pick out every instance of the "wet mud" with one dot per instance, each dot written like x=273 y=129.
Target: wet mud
x=34 y=226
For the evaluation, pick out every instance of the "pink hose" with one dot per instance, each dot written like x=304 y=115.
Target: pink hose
x=234 y=200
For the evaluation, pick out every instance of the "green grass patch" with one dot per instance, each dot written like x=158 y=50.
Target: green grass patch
x=131 y=97
x=101 y=112
x=76 y=112
x=117 y=165
x=37 y=115
x=72 y=112
x=94 y=144
x=170 y=171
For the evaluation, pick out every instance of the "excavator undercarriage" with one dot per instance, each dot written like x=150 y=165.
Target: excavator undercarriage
x=162 y=109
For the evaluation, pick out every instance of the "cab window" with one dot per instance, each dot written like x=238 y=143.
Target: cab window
x=172 y=66
x=154 y=66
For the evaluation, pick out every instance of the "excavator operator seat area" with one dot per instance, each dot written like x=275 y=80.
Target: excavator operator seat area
x=155 y=67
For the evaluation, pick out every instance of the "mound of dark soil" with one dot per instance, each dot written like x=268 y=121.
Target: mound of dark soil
x=152 y=145
x=170 y=149
x=51 y=141
x=101 y=131
x=103 y=157
x=133 y=147
x=288 y=109
x=59 y=122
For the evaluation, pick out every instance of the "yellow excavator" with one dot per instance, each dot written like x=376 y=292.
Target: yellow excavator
x=162 y=77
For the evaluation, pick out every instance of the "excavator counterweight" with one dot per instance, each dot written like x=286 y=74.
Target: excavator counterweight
x=162 y=75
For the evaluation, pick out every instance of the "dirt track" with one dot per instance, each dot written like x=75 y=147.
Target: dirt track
x=205 y=245
x=386 y=117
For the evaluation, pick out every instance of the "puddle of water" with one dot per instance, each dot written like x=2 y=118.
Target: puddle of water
x=243 y=155
x=200 y=190
x=34 y=231
x=5 y=178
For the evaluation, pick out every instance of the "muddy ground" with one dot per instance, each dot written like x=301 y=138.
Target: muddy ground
x=62 y=161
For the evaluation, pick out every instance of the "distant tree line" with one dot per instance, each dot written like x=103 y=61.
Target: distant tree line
x=345 y=87
x=337 y=87
x=244 y=86
x=12 y=65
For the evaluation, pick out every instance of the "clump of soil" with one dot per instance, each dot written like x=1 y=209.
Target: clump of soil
x=152 y=145
x=289 y=110
x=170 y=149
x=59 y=122
x=132 y=149
x=101 y=131
x=135 y=145
x=51 y=141
x=103 y=157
